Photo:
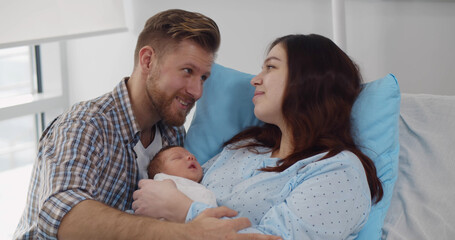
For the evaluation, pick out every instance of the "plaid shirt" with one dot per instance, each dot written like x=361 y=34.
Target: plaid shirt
x=86 y=153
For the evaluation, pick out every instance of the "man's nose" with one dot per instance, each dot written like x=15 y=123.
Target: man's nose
x=195 y=87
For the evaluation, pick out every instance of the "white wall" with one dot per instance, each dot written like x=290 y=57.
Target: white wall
x=412 y=39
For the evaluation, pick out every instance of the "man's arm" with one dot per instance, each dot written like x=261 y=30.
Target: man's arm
x=93 y=220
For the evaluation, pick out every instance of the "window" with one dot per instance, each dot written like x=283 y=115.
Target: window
x=17 y=142
x=15 y=72
x=17 y=135
x=31 y=95
x=33 y=87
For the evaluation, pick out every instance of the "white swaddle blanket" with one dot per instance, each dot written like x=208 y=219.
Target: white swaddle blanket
x=196 y=191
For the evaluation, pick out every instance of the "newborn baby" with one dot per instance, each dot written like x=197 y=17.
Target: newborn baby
x=179 y=165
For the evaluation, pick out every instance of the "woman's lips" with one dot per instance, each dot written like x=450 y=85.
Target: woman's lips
x=257 y=94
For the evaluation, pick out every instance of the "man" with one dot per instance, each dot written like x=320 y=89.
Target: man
x=90 y=158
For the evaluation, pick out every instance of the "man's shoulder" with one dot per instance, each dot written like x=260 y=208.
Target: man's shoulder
x=108 y=105
x=99 y=106
x=100 y=111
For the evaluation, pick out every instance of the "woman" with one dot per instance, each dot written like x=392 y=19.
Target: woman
x=300 y=176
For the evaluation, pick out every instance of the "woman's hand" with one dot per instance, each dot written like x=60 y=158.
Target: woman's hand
x=161 y=199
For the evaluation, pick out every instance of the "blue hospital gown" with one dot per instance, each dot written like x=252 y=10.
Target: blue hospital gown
x=327 y=199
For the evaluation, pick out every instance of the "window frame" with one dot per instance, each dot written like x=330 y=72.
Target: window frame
x=42 y=100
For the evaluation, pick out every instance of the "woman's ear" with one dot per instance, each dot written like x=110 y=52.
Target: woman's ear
x=146 y=57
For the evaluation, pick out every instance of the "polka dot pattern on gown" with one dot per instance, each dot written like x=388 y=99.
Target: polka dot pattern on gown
x=327 y=199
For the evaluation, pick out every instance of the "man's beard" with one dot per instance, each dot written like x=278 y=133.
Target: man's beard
x=163 y=103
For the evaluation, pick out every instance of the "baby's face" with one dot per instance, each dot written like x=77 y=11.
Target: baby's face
x=178 y=161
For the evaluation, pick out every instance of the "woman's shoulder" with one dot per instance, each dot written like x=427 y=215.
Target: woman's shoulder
x=342 y=158
x=349 y=158
x=345 y=161
x=341 y=170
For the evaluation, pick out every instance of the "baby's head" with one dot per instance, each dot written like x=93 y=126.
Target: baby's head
x=177 y=161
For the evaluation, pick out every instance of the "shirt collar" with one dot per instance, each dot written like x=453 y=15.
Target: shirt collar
x=128 y=125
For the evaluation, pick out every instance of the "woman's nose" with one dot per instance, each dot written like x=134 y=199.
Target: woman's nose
x=256 y=80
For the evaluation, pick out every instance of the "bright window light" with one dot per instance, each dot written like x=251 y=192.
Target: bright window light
x=16 y=72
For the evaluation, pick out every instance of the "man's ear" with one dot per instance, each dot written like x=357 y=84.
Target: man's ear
x=146 y=57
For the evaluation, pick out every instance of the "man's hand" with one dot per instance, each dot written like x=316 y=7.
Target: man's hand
x=161 y=199
x=208 y=225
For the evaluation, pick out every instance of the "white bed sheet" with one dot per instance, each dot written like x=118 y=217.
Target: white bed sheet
x=423 y=200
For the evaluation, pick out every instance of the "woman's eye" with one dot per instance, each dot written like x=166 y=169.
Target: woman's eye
x=203 y=78
x=188 y=70
x=268 y=67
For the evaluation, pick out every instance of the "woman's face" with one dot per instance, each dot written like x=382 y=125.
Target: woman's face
x=270 y=84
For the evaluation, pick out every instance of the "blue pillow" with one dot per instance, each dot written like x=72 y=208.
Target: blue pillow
x=226 y=108
x=375 y=117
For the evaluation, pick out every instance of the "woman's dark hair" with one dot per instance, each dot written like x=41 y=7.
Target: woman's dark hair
x=323 y=84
